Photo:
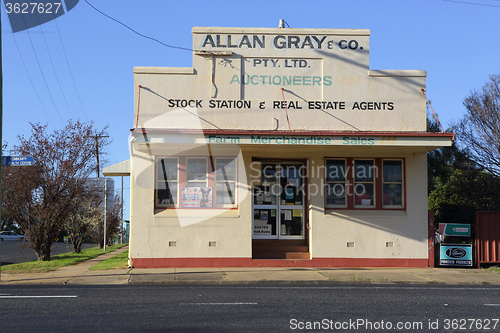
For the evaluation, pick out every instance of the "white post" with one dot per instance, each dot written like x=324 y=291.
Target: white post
x=105 y=208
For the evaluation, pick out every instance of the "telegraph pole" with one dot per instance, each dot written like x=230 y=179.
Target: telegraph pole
x=96 y=138
x=1 y=127
x=105 y=208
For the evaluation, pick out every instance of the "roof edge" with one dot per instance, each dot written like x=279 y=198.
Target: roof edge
x=141 y=131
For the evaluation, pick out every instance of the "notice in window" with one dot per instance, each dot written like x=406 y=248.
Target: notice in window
x=264 y=215
x=197 y=197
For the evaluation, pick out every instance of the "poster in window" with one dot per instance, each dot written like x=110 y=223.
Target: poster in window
x=197 y=197
x=264 y=215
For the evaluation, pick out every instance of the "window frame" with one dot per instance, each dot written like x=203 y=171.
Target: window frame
x=210 y=181
x=402 y=182
x=344 y=182
x=378 y=183
x=158 y=180
x=235 y=181
x=356 y=182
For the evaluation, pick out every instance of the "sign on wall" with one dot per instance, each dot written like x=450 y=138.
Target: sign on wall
x=455 y=255
x=454 y=229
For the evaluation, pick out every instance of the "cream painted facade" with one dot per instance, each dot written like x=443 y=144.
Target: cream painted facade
x=279 y=99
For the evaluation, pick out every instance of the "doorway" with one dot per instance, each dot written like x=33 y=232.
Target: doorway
x=279 y=226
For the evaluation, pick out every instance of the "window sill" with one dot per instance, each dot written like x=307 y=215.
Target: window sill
x=197 y=213
x=400 y=213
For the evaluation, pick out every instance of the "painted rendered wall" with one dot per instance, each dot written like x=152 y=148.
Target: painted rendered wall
x=212 y=78
x=345 y=78
x=330 y=230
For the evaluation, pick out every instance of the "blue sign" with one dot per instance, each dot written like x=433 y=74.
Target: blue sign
x=17 y=160
x=455 y=255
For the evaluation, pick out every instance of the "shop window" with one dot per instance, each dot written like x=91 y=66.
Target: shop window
x=392 y=183
x=225 y=182
x=362 y=183
x=196 y=174
x=196 y=182
x=336 y=183
x=167 y=182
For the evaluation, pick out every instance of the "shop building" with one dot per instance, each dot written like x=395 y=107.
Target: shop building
x=280 y=147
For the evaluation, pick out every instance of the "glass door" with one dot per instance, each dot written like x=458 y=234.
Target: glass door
x=278 y=203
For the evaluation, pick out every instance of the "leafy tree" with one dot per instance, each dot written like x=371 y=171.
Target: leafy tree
x=78 y=224
x=466 y=191
x=40 y=198
x=479 y=130
x=442 y=162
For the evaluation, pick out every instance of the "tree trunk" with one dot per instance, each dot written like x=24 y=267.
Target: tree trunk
x=77 y=244
x=43 y=251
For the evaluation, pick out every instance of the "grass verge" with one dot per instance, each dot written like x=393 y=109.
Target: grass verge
x=118 y=261
x=58 y=261
x=494 y=269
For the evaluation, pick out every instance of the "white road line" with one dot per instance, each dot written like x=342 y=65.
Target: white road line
x=70 y=296
x=217 y=303
x=492 y=304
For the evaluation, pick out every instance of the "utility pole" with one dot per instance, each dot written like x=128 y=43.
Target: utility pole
x=96 y=138
x=1 y=128
x=105 y=208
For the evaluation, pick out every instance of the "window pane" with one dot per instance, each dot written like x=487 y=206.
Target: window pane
x=393 y=171
x=363 y=193
x=393 y=195
x=335 y=194
x=196 y=169
x=268 y=174
x=167 y=193
x=364 y=170
x=225 y=169
x=335 y=170
x=167 y=169
x=197 y=184
x=224 y=194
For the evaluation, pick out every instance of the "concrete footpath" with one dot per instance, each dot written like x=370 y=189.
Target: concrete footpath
x=80 y=275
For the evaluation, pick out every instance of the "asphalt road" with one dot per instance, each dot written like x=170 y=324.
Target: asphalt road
x=18 y=251
x=249 y=308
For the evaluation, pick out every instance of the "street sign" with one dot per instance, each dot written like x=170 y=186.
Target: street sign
x=17 y=160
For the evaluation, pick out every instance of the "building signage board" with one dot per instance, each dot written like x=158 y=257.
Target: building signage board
x=292 y=140
x=455 y=255
x=17 y=160
x=454 y=229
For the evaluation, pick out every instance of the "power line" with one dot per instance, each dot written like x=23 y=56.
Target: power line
x=70 y=72
x=29 y=77
x=55 y=73
x=43 y=76
x=471 y=3
x=74 y=83
x=126 y=26
x=31 y=81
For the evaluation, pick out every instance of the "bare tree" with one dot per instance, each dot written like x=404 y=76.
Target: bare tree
x=479 y=130
x=40 y=198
